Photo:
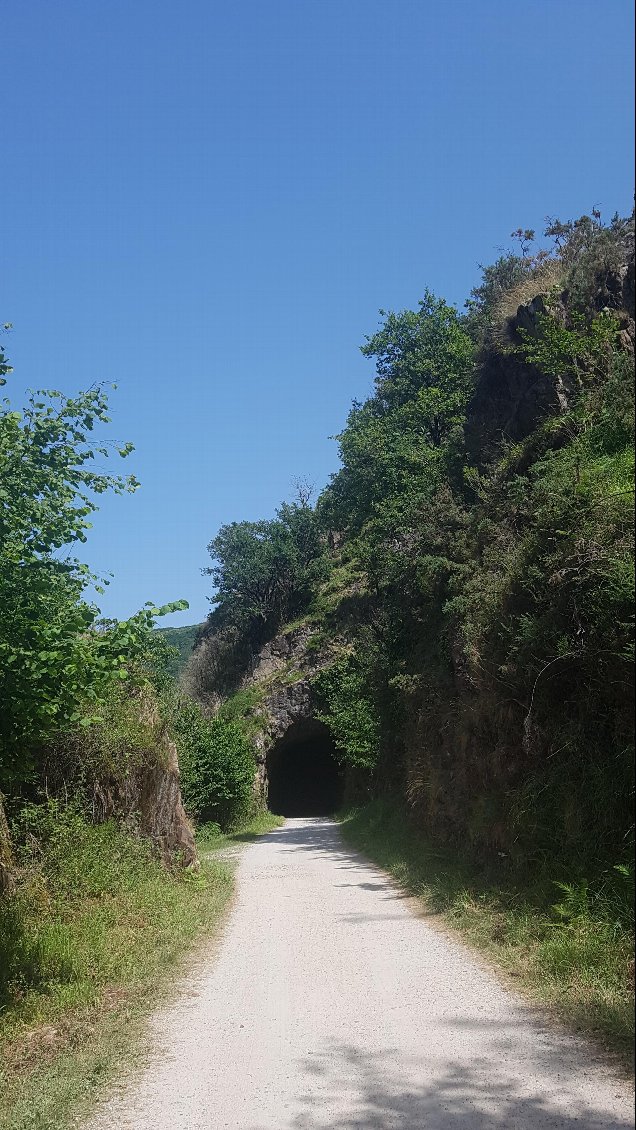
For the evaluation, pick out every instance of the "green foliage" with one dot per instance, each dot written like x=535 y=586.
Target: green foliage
x=609 y=899
x=263 y=571
x=216 y=762
x=209 y=837
x=584 y=255
x=181 y=642
x=593 y=251
x=583 y=349
x=483 y=615
x=265 y=574
x=63 y=673
x=243 y=707
x=546 y=613
x=521 y=579
x=400 y=444
x=58 y=662
x=347 y=707
x=563 y=523
x=67 y=862
x=125 y=736
x=497 y=280
x=48 y=477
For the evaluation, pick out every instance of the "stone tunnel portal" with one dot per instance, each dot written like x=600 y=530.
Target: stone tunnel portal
x=304 y=777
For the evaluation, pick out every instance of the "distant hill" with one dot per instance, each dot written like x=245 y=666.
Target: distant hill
x=182 y=638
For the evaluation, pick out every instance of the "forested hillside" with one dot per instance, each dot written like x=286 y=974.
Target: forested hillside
x=180 y=641
x=467 y=574
x=471 y=561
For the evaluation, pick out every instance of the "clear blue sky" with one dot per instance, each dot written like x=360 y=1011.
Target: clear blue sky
x=209 y=203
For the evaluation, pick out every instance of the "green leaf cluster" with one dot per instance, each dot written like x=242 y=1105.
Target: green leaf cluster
x=216 y=762
x=58 y=662
x=263 y=572
x=348 y=707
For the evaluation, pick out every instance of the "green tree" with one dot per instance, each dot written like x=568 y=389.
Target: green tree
x=263 y=571
x=56 y=659
x=396 y=447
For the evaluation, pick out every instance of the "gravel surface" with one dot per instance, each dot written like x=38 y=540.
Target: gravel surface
x=332 y=1004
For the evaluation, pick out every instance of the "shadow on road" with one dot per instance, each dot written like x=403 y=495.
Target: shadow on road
x=460 y=1098
x=320 y=836
x=463 y=1093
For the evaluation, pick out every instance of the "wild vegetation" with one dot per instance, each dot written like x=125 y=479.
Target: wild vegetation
x=95 y=930
x=469 y=572
x=565 y=944
x=96 y=904
x=468 y=578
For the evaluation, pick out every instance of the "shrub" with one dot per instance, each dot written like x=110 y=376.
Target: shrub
x=217 y=765
x=348 y=709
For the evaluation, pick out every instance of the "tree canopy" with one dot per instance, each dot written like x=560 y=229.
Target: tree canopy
x=57 y=660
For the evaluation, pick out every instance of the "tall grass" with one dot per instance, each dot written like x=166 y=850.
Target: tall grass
x=95 y=929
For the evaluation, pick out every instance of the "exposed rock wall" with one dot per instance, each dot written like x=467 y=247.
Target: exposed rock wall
x=283 y=669
x=147 y=802
x=138 y=784
x=512 y=397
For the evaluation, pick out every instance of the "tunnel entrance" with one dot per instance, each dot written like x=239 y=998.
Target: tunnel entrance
x=304 y=777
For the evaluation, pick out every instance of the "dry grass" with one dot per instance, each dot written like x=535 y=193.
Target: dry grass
x=546 y=278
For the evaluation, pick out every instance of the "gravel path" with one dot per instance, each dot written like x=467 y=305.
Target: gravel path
x=331 y=1004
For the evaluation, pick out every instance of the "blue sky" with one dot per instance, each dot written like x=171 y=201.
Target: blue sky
x=209 y=202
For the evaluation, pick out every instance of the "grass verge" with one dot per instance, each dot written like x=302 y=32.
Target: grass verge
x=89 y=943
x=210 y=838
x=562 y=948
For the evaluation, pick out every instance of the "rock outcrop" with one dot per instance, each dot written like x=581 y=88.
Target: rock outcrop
x=283 y=671
x=147 y=800
x=512 y=397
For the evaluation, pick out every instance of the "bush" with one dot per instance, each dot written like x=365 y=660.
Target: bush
x=217 y=765
x=348 y=709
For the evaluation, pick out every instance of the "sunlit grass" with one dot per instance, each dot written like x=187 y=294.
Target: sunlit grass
x=210 y=838
x=94 y=935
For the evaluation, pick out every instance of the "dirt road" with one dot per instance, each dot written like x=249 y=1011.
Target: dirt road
x=331 y=1004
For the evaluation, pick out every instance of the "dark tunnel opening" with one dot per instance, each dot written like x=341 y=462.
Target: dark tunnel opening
x=304 y=777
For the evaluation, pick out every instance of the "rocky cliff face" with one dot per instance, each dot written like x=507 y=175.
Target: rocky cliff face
x=512 y=397
x=146 y=799
x=147 y=802
x=139 y=786
x=282 y=671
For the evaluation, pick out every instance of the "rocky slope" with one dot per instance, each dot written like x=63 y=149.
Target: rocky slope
x=487 y=625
